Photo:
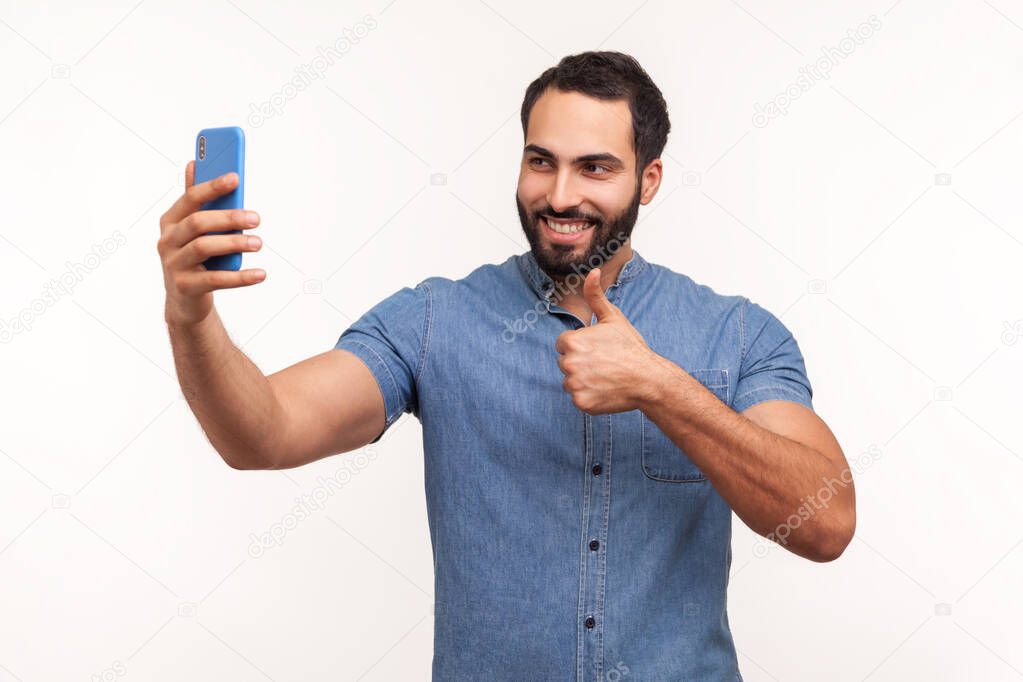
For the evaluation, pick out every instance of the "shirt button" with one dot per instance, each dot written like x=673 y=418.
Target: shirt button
x=596 y=470
x=594 y=545
x=589 y=622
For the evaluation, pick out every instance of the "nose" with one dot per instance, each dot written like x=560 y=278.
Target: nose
x=563 y=192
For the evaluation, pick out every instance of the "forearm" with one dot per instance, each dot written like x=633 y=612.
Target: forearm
x=230 y=397
x=766 y=478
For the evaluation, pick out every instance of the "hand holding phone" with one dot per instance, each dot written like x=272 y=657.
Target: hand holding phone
x=190 y=235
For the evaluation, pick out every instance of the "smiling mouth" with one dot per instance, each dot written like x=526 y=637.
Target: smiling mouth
x=565 y=226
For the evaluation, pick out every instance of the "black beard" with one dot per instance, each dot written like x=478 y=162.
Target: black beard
x=557 y=260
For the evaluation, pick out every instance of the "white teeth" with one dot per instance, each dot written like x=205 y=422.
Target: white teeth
x=566 y=228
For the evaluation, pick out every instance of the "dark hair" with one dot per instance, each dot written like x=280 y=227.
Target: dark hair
x=610 y=76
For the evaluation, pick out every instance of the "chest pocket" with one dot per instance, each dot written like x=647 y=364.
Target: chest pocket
x=662 y=459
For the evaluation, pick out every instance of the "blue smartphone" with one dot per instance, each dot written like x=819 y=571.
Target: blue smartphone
x=219 y=151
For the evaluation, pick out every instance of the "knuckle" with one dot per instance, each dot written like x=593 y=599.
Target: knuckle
x=191 y=220
x=193 y=224
x=201 y=247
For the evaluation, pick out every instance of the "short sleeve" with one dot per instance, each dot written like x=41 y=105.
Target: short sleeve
x=772 y=366
x=390 y=338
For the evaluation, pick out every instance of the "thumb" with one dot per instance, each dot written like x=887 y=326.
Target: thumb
x=595 y=297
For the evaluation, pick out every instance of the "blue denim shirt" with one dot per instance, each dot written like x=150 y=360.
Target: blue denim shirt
x=568 y=546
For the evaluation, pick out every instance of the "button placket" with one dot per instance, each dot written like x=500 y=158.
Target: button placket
x=596 y=518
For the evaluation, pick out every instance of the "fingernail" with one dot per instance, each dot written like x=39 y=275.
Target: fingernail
x=254 y=242
x=252 y=218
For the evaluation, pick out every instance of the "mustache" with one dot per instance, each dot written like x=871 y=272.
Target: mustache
x=567 y=215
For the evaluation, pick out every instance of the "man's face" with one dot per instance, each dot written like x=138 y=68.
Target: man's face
x=577 y=188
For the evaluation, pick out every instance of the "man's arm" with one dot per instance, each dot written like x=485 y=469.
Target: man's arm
x=327 y=404
x=324 y=405
x=770 y=463
x=765 y=462
x=330 y=403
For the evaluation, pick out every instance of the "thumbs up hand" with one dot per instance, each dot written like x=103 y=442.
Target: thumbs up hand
x=608 y=365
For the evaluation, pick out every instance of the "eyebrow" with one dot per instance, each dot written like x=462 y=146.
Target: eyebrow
x=604 y=157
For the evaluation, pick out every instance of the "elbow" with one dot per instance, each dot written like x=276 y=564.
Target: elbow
x=237 y=465
x=825 y=553
x=832 y=544
x=247 y=460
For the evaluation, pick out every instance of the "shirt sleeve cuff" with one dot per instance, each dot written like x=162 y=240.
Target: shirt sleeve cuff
x=752 y=396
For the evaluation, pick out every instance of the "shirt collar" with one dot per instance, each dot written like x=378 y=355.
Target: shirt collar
x=543 y=285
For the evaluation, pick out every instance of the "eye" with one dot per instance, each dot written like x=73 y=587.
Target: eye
x=533 y=160
x=605 y=169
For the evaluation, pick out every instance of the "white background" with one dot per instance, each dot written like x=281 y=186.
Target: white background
x=125 y=540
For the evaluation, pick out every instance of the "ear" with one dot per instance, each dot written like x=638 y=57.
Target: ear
x=650 y=181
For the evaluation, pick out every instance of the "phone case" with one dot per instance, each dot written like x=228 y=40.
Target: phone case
x=224 y=153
